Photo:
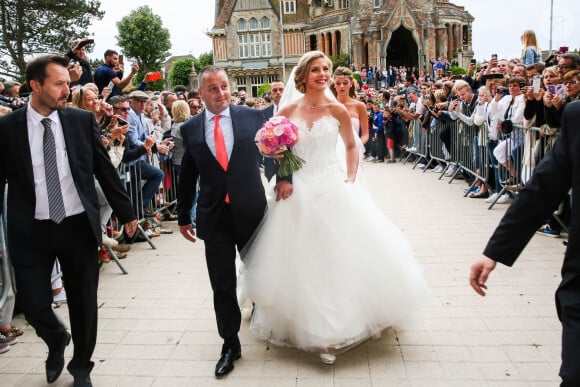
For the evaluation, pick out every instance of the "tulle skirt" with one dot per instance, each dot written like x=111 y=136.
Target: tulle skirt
x=326 y=268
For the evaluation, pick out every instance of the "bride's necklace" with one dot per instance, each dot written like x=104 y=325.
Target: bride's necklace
x=310 y=105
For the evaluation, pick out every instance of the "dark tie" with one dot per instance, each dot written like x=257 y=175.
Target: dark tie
x=56 y=210
x=221 y=153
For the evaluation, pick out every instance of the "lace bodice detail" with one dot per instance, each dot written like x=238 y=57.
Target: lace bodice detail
x=317 y=145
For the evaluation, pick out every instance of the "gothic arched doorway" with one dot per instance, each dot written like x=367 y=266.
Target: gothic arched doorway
x=402 y=49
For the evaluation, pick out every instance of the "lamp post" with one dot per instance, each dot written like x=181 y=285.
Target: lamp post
x=551 y=22
x=282 y=43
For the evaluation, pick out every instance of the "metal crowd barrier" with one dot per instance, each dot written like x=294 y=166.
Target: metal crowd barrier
x=464 y=149
x=6 y=279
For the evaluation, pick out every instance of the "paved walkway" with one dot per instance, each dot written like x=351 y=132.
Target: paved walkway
x=157 y=325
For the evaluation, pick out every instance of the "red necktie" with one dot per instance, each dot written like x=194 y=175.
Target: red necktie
x=221 y=153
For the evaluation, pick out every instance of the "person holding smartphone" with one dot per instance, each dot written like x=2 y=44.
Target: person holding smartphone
x=113 y=71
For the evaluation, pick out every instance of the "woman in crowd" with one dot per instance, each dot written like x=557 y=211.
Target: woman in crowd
x=531 y=50
x=332 y=290
x=86 y=98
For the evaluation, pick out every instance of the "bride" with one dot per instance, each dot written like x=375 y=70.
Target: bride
x=326 y=269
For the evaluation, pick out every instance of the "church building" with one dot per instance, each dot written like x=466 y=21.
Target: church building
x=258 y=41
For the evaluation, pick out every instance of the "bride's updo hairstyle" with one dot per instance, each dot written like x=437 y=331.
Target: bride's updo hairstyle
x=304 y=65
x=346 y=73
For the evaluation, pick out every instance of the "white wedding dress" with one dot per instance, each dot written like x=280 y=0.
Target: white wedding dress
x=326 y=268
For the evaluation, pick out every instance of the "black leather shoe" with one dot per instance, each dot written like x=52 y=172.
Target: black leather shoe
x=55 y=360
x=226 y=363
x=82 y=381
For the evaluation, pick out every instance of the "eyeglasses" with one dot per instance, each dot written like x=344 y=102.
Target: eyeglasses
x=571 y=83
x=123 y=109
x=195 y=106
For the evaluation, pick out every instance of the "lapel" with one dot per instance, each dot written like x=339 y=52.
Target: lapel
x=23 y=145
x=70 y=133
x=237 y=130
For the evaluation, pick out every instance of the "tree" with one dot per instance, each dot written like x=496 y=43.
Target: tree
x=143 y=37
x=180 y=71
x=33 y=27
x=203 y=60
x=340 y=60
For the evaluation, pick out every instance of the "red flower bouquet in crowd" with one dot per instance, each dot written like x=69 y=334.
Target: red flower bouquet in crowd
x=276 y=136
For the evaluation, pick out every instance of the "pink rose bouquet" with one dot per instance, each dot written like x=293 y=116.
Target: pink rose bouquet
x=276 y=136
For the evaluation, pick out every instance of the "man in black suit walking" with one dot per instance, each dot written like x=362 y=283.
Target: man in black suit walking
x=54 y=153
x=549 y=185
x=276 y=90
x=220 y=149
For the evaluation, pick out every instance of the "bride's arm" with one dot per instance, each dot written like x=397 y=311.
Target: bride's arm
x=347 y=134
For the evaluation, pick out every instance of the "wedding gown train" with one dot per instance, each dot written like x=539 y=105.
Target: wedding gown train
x=326 y=268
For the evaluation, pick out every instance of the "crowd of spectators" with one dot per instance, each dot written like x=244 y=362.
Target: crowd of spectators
x=140 y=128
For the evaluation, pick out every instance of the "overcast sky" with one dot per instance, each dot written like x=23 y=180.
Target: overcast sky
x=497 y=28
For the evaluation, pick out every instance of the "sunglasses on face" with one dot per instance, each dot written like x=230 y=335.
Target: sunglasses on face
x=123 y=109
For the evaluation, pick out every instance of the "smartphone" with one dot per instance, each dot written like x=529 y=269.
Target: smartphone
x=494 y=56
x=536 y=83
x=111 y=85
x=552 y=89
x=121 y=122
x=155 y=107
x=121 y=59
x=473 y=61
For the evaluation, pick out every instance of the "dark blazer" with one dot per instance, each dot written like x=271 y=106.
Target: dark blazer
x=552 y=180
x=242 y=180
x=270 y=165
x=87 y=158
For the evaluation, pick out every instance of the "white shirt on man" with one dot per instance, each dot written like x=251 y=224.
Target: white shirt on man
x=70 y=195
x=227 y=129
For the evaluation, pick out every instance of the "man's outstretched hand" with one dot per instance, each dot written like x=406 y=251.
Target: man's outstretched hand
x=188 y=232
x=480 y=272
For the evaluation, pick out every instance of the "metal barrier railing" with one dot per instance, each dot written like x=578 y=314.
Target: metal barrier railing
x=6 y=279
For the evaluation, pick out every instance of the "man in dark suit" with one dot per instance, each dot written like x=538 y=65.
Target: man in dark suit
x=220 y=149
x=276 y=90
x=54 y=153
x=549 y=185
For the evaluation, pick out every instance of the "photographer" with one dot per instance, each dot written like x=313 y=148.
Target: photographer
x=78 y=56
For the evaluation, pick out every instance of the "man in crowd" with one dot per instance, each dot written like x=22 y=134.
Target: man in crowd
x=140 y=145
x=276 y=90
x=78 y=55
x=112 y=71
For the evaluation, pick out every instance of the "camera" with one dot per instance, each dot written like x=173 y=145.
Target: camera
x=522 y=85
x=502 y=90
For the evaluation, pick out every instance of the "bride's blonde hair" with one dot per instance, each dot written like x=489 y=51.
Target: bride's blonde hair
x=304 y=65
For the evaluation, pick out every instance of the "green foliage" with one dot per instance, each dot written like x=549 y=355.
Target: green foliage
x=456 y=70
x=265 y=88
x=143 y=37
x=203 y=60
x=180 y=71
x=356 y=75
x=30 y=28
x=340 y=60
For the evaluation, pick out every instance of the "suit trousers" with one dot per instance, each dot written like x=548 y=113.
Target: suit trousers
x=220 y=254
x=73 y=242
x=568 y=308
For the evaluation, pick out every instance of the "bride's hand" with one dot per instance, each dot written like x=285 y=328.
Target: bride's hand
x=283 y=190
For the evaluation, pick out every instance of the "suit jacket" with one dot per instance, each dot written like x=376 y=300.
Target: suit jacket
x=88 y=159
x=242 y=181
x=270 y=165
x=552 y=179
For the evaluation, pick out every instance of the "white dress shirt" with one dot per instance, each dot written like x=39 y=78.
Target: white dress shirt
x=227 y=129
x=70 y=196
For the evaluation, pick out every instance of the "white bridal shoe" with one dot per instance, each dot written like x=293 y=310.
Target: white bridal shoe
x=327 y=358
